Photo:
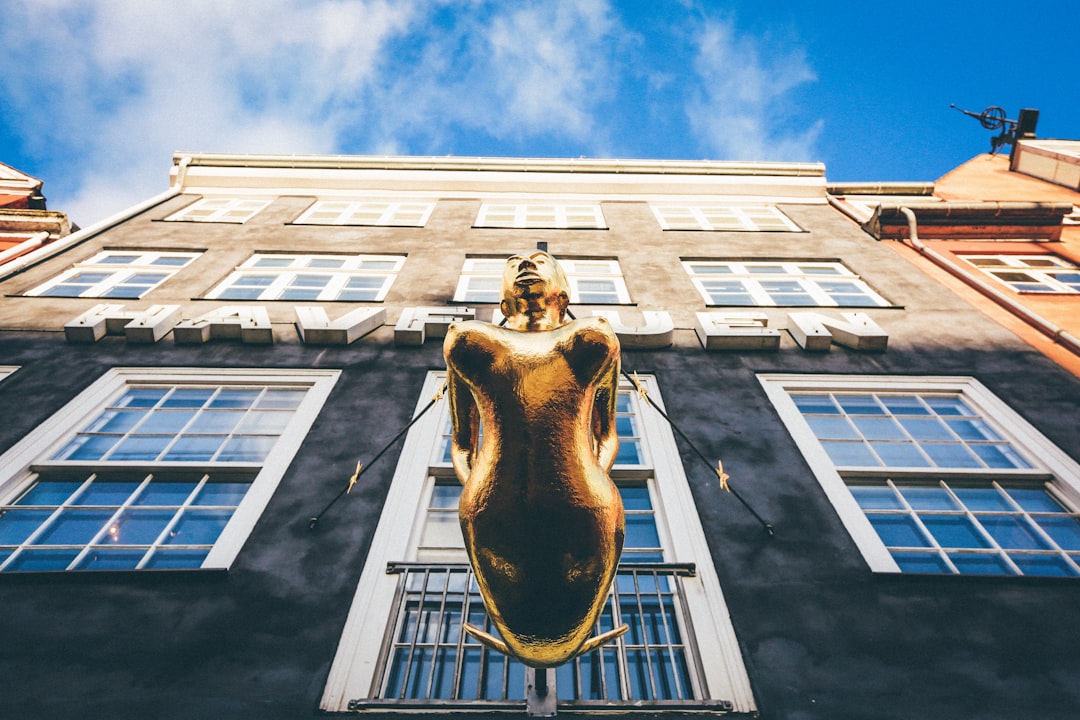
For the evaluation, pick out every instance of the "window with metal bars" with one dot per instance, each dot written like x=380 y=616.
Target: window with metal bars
x=936 y=475
x=153 y=468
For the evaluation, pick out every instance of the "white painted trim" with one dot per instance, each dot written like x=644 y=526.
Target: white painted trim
x=1036 y=448
x=51 y=434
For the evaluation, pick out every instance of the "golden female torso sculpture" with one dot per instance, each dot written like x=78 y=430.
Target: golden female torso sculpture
x=542 y=522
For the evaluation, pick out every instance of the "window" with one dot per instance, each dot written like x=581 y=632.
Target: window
x=353 y=278
x=116 y=274
x=1030 y=273
x=935 y=475
x=368 y=212
x=537 y=215
x=403 y=645
x=154 y=468
x=780 y=283
x=592 y=282
x=223 y=210
x=723 y=217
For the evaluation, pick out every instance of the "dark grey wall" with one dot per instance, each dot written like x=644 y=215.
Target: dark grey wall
x=823 y=637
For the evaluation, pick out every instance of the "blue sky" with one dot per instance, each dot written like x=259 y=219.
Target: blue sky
x=96 y=96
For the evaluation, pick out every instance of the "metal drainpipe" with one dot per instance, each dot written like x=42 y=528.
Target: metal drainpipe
x=1058 y=335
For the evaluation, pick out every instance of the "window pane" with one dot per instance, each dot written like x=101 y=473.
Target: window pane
x=980 y=564
x=106 y=493
x=111 y=559
x=42 y=560
x=17 y=525
x=898 y=531
x=74 y=527
x=1011 y=532
x=194 y=448
x=1048 y=565
x=137 y=527
x=929 y=498
x=165 y=493
x=954 y=531
x=225 y=493
x=198 y=527
x=876 y=498
x=920 y=562
x=49 y=493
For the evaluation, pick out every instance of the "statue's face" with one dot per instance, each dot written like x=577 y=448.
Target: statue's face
x=532 y=275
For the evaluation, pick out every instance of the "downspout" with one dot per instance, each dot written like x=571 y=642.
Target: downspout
x=46 y=251
x=1058 y=335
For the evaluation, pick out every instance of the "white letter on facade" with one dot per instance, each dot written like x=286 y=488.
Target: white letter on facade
x=736 y=331
x=815 y=332
x=247 y=323
x=417 y=323
x=315 y=327
x=139 y=326
x=655 y=333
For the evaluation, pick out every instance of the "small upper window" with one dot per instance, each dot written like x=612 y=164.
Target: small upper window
x=352 y=278
x=592 y=282
x=368 y=212
x=1030 y=273
x=116 y=274
x=221 y=210
x=787 y=283
x=723 y=217
x=537 y=215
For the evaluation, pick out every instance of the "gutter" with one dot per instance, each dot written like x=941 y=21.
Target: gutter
x=1055 y=333
x=69 y=241
x=35 y=240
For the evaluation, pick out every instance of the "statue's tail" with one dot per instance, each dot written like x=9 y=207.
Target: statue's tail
x=493 y=643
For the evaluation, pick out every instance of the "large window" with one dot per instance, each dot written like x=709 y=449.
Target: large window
x=116 y=274
x=403 y=645
x=592 y=282
x=353 y=278
x=935 y=475
x=541 y=215
x=367 y=212
x=153 y=468
x=780 y=283
x=1030 y=273
x=751 y=218
x=219 y=210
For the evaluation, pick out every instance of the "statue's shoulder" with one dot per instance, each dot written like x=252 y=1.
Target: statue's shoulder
x=597 y=328
x=469 y=334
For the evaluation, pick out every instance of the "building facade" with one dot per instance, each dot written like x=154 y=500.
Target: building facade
x=190 y=386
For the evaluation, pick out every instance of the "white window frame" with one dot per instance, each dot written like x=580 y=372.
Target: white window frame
x=576 y=269
x=751 y=282
x=353 y=672
x=732 y=218
x=17 y=464
x=403 y=213
x=1016 y=263
x=118 y=273
x=1049 y=464
x=220 y=210
x=338 y=277
x=535 y=215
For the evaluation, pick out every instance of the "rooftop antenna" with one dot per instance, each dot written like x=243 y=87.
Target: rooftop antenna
x=993 y=118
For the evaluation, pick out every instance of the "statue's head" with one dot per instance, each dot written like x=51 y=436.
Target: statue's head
x=534 y=282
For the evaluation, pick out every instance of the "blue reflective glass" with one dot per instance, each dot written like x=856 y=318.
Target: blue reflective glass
x=137 y=527
x=87 y=447
x=977 y=499
x=324 y=263
x=952 y=455
x=273 y=262
x=130 y=292
x=920 y=562
x=899 y=454
x=900 y=405
x=980 y=564
x=138 y=447
x=198 y=527
x=624 y=426
x=164 y=558
x=171 y=260
x=641 y=532
x=860 y=405
x=954 y=531
x=117 y=260
x=1034 y=500
x=635 y=497
x=115 y=421
x=1047 y=565
x=300 y=294
x=999 y=456
x=876 y=497
x=267 y=422
x=107 y=493
x=623 y=403
x=850 y=454
x=833 y=427
x=879 y=428
x=898 y=530
x=1063 y=529
x=165 y=493
x=948 y=406
x=240 y=293
x=365 y=282
x=973 y=429
x=629 y=453
x=111 y=559
x=929 y=428
x=226 y=493
x=357 y=295
x=187 y=398
x=74 y=527
x=234 y=399
x=280 y=399
x=304 y=280
x=815 y=404
x=928 y=498
x=42 y=560
x=17 y=525
x=246 y=449
x=165 y=422
x=1012 y=532
x=141 y=397
x=48 y=493
x=194 y=448
x=145 y=279
x=220 y=422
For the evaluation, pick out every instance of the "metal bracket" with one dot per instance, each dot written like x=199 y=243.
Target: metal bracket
x=541 y=697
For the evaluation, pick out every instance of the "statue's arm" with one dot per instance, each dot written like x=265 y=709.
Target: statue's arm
x=464 y=417
x=604 y=430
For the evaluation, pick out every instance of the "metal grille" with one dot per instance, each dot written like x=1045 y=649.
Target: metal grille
x=429 y=660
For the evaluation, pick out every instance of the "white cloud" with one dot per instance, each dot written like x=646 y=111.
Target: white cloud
x=740 y=110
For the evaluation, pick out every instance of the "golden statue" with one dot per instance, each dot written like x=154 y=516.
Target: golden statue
x=542 y=521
